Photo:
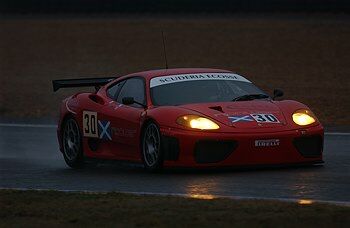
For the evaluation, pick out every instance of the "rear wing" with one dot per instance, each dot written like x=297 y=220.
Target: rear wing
x=81 y=82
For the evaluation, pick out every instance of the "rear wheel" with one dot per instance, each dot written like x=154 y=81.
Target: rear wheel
x=72 y=144
x=152 y=155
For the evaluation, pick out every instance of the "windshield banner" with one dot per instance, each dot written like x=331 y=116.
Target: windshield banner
x=157 y=81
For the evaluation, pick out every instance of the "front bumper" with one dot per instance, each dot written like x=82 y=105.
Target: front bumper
x=208 y=149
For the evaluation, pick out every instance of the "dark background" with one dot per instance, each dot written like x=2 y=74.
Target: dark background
x=301 y=47
x=171 y=6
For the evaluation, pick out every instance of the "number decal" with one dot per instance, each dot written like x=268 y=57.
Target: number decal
x=86 y=123
x=90 y=124
x=271 y=118
x=265 y=118
x=259 y=118
x=93 y=126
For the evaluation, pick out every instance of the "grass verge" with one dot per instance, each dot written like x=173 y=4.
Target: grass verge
x=52 y=208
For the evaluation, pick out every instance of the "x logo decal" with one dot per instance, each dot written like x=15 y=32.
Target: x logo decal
x=104 y=129
x=235 y=119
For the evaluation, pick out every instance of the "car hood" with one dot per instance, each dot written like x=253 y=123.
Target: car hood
x=242 y=114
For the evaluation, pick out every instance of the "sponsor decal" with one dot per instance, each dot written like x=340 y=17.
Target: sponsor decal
x=104 y=129
x=221 y=114
x=122 y=132
x=267 y=142
x=265 y=118
x=157 y=81
x=241 y=118
x=90 y=124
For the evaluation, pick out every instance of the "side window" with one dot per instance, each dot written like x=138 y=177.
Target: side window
x=134 y=87
x=113 y=91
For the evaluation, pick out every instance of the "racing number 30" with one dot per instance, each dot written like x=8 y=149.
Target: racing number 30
x=265 y=118
x=90 y=124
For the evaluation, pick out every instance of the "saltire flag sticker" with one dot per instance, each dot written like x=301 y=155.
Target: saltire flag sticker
x=104 y=129
x=241 y=118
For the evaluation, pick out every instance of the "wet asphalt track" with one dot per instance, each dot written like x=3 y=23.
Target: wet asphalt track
x=29 y=158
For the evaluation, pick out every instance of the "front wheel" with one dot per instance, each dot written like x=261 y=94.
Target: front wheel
x=152 y=155
x=72 y=144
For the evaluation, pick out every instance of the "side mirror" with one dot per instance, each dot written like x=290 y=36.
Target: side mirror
x=277 y=93
x=128 y=100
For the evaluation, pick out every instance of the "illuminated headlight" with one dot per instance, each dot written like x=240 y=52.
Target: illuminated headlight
x=303 y=117
x=197 y=122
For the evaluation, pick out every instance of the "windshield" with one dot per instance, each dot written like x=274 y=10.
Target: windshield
x=180 y=89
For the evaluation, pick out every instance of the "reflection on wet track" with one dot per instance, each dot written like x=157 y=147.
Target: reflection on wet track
x=29 y=158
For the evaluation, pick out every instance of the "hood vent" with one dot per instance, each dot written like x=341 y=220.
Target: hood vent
x=217 y=108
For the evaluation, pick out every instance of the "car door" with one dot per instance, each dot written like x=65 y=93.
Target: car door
x=125 y=119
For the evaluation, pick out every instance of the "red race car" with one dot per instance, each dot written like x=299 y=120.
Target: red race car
x=185 y=118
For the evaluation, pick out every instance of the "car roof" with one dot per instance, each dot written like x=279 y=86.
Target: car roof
x=164 y=72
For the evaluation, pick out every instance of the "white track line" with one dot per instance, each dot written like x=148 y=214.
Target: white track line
x=337 y=133
x=54 y=126
x=340 y=203
x=28 y=125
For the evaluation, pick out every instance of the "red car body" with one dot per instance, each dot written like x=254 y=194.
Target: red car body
x=233 y=144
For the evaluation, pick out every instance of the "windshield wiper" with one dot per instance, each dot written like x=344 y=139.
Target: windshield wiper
x=249 y=97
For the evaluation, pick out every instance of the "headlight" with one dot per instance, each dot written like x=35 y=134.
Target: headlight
x=303 y=117
x=197 y=122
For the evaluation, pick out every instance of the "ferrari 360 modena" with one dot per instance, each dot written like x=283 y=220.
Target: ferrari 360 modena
x=191 y=117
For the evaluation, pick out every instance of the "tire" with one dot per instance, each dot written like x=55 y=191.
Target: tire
x=72 y=144
x=152 y=155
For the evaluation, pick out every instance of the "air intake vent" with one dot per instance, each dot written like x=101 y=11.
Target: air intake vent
x=217 y=108
x=97 y=99
x=209 y=151
x=309 y=146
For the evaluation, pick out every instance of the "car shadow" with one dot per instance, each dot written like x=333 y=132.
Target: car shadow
x=136 y=168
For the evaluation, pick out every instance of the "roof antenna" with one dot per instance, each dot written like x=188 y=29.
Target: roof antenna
x=166 y=60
